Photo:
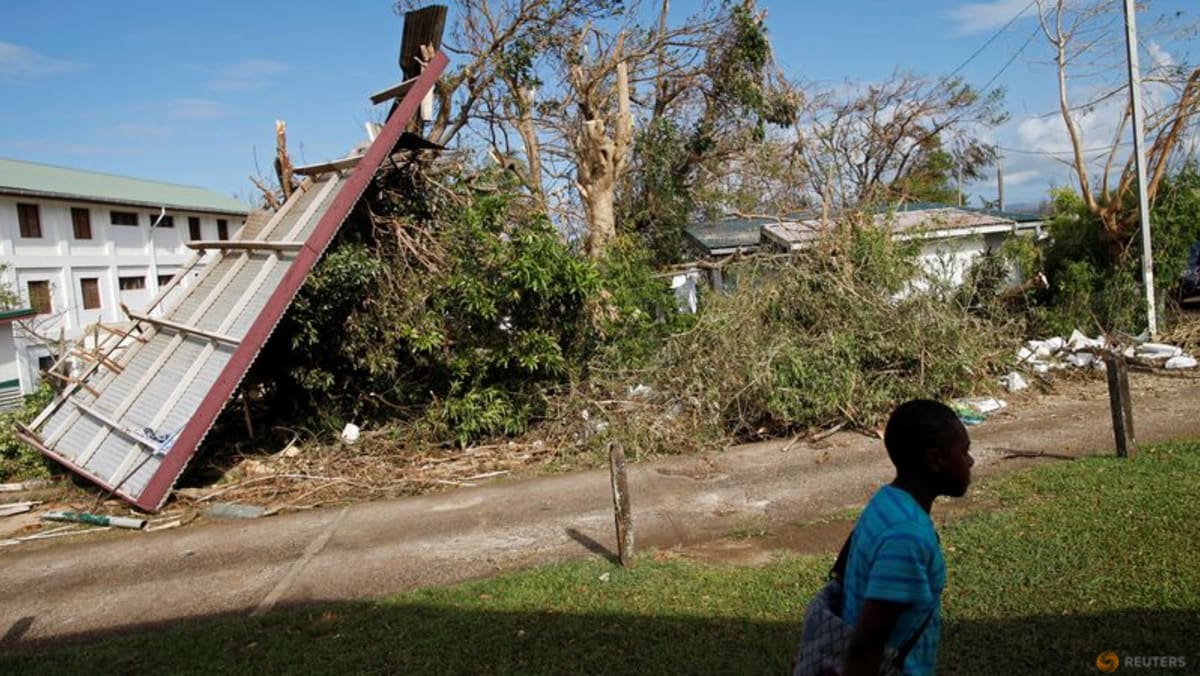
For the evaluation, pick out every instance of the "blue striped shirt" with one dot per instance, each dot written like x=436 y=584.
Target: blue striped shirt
x=895 y=556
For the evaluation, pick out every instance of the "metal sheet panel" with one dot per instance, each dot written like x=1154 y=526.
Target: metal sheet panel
x=160 y=397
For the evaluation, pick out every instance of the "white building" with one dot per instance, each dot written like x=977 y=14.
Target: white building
x=76 y=245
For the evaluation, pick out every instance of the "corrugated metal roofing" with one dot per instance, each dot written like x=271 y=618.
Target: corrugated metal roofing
x=133 y=425
x=31 y=178
x=937 y=222
x=726 y=234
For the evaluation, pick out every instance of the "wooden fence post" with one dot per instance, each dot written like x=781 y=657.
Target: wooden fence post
x=620 y=489
x=1120 y=402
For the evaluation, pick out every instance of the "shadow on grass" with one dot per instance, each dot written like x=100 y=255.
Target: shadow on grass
x=387 y=638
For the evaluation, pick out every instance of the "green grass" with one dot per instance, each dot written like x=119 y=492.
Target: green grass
x=1082 y=557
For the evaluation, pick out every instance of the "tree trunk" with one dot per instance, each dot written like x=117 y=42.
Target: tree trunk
x=601 y=161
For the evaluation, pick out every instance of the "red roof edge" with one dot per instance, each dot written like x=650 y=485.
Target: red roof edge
x=160 y=484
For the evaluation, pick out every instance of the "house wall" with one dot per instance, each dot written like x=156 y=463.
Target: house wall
x=949 y=260
x=114 y=251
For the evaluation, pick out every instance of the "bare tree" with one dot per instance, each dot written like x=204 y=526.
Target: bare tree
x=888 y=141
x=1087 y=42
x=555 y=91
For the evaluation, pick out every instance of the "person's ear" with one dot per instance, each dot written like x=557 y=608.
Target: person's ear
x=933 y=459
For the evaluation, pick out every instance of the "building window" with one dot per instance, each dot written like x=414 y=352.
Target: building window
x=167 y=221
x=89 y=289
x=124 y=218
x=39 y=296
x=45 y=363
x=164 y=280
x=131 y=283
x=194 y=228
x=81 y=221
x=222 y=229
x=30 y=220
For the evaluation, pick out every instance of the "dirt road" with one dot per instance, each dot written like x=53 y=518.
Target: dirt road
x=63 y=591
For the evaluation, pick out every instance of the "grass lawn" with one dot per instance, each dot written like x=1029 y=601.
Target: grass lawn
x=1082 y=557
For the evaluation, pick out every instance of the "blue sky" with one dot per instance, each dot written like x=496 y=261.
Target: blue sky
x=186 y=91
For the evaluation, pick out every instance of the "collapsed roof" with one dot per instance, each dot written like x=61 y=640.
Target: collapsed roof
x=134 y=417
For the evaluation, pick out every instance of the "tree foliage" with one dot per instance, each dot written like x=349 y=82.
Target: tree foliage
x=897 y=140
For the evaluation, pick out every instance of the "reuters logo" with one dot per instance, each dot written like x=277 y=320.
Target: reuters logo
x=1107 y=661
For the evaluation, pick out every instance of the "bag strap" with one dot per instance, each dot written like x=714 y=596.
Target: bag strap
x=912 y=641
x=838 y=572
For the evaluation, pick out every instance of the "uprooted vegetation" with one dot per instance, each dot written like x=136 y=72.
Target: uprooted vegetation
x=454 y=325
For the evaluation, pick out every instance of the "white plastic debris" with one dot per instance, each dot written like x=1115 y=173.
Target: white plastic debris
x=1078 y=341
x=686 y=286
x=640 y=391
x=1180 y=362
x=1081 y=359
x=984 y=405
x=1158 y=351
x=1014 y=382
x=350 y=433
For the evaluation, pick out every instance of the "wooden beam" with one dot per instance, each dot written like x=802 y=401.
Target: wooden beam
x=114 y=425
x=98 y=358
x=122 y=334
x=394 y=92
x=184 y=328
x=244 y=245
x=341 y=164
x=71 y=381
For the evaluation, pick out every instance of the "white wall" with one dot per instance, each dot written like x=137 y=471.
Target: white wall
x=8 y=354
x=112 y=252
x=949 y=260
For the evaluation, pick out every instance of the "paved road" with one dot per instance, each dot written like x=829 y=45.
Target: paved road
x=65 y=590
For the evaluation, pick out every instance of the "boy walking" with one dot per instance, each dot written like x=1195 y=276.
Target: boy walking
x=894 y=569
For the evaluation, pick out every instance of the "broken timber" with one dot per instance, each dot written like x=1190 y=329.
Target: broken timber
x=244 y=245
x=132 y=427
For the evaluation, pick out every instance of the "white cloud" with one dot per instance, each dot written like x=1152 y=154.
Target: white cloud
x=247 y=75
x=196 y=109
x=21 y=64
x=977 y=17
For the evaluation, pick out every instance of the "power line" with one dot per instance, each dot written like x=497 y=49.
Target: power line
x=1011 y=59
x=989 y=41
x=1055 y=153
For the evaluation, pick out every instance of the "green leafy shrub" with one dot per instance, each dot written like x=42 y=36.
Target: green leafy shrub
x=457 y=313
x=837 y=333
x=17 y=460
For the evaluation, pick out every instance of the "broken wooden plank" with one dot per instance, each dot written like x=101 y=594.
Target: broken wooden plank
x=71 y=381
x=121 y=334
x=27 y=485
x=244 y=245
x=184 y=328
x=114 y=425
x=326 y=167
x=394 y=92
x=14 y=508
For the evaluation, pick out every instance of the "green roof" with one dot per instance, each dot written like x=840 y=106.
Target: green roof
x=18 y=313
x=43 y=180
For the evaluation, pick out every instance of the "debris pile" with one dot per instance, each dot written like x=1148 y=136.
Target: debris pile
x=1081 y=352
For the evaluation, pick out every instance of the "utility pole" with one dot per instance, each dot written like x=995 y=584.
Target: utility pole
x=1000 y=180
x=1135 y=92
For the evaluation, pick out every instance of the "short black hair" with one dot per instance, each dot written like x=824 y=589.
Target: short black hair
x=915 y=427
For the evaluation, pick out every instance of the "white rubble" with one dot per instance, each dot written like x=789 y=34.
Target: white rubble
x=1081 y=352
